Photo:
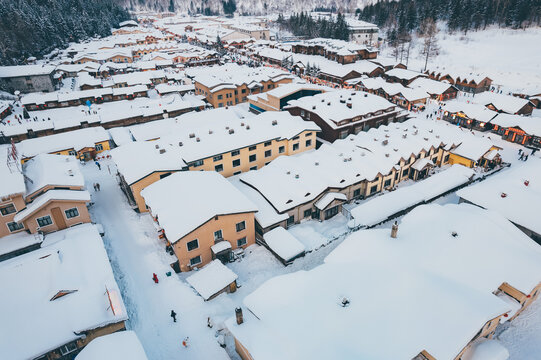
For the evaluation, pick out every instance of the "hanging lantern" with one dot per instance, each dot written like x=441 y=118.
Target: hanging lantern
x=526 y=182
x=504 y=195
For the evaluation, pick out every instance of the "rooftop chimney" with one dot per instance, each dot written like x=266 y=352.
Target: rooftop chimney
x=238 y=315
x=394 y=230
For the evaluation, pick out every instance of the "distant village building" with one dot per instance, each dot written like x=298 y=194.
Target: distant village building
x=277 y=98
x=28 y=78
x=337 y=50
x=473 y=83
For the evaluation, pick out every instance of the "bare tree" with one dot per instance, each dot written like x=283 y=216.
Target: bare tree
x=429 y=32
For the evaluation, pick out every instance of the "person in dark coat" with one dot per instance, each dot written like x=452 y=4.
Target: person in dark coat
x=174 y=315
x=98 y=165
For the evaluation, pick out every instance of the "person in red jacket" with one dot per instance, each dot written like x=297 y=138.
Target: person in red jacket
x=155 y=277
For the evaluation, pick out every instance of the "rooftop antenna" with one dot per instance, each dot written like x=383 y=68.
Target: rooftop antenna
x=12 y=158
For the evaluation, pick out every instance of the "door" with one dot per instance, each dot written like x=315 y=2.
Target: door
x=58 y=218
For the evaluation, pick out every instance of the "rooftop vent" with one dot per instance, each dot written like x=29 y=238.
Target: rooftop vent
x=180 y=143
x=210 y=131
x=227 y=127
x=344 y=302
x=198 y=139
x=387 y=155
x=307 y=194
x=157 y=146
x=313 y=107
x=317 y=164
x=274 y=122
x=192 y=135
x=297 y=176
x=329 y=103
x=365 y=95
x=385 y=142
x=349 y=105
x=454 y=234
x=404 y=136
x=289 y=172
x=322 y=100
x=247 y=127
x=241 y=124
x=70 y=173
x=342 y=101
x=231 y=131
x=162 y=151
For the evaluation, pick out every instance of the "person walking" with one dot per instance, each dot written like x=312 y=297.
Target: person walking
x=98 y=165
x=185 y=342
x=98 y=186
x=173 y=314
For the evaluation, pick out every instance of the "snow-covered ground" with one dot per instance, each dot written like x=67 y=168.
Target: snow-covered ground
x=511 y=58
x=136 y=252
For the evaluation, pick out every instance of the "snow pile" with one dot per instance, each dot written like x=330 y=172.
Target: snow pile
x=211 y=279
x=283 y=244
x=486 y=349
x=123 y=345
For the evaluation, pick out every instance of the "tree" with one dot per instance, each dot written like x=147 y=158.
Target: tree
x=229 y=6
x=171 y=7
x=429 y=32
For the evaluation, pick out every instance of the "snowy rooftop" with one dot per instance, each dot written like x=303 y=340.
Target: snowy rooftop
x=472 y=111
x=195 y=197
x=506 y=103
x=332 y=107
x=289 y=181
x=431 y=86
x=531 y=125
x=30 y=282
x=119 y=345
x=404 y=74
x=25 y=70
x=473 y=148
x=51 y=195
x=55 y=170
x=308 y=328
x=77 y=139
x=18 y=241
x=283 y=243
x=519 y=204
x=211 y=279
x=380 y=208
x=12 y=178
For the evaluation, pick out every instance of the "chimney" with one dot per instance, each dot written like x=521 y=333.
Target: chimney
x=394 y=230
x=238 y=314
x=349 y=105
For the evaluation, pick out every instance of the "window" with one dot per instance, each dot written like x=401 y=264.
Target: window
x=307 y=213
x=291 y=220
x=241 y=242
x=235 y=153
x=99 y=147
x=446 y=158
x=72 y=152
x=220 y=104
x=308 y=134
x=387 y=183
x=296 y=147
x=236 y=163
x=253 y=168
x=220 y=97
x=44 y=221
x=281 y=149
x=252 y=148
x=243 y=91
x=331 y=212
x=268 y=143
x=13 y=226
x=237 y=172
x=308 y=143
x=344 y=134
x=240 y=226
x=8 y=209
x=217 y=158
x=195 y=261
x=164 y=175
x=198 y=163
x=192 y=245
x=405 y=172
x=268 y=153
x=253 y=158
x=218 y=235
x=373 y=189
x=219 y=168
x=68 y=348
x=356 y=192
x=71 y=213
x=302 y=113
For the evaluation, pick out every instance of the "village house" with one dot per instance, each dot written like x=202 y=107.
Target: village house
x=402 y=76
x=411 y=98
x=340 y=51
x=472 y=83
x=382 y=261
x=123 y=344
x=214 y=278
x=468 y=115
x=524 y=130
x=277 y=98
x=343 y=112
x=217 y=140
x=222 y=221
x=362 y=32
x=83 y=144
x=511 y=193
x=438 y=90
x=476 y=153
x=231 y=84
x=504 y=103
x=74 y=296
x=28 y=78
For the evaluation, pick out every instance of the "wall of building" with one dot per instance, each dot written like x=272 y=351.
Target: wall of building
x=31 y=224
x=205 y=236
x=19 y=204
x=138 y=186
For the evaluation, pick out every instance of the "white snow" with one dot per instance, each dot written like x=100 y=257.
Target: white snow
x=486 y=349
x=123 y=345
x=211 y=279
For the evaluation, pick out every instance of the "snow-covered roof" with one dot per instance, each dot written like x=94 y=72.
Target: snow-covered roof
x=519 y=204
x=381 y=207
x=72 y=260
x=531 y=125
x=77 y=139
x=283 y=243
x=473 y=149
x=18 y=241
x=404 y=74
x=173 y=198
x=486 y=349
x=211 y=279
x=119 y=345
x=54 y=170
x=336 y=106
x=472 y=111
x=431 y=86
x=51 y=195
x=328 y=198
x=368 y=322
x=25 y=70
x=506 y=103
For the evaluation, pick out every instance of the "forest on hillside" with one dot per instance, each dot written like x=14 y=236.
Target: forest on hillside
x=459 y=15
x=303 y=24
x=36 y=27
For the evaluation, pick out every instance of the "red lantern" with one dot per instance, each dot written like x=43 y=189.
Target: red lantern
x=506 y=315
x=504 y=195
x=526 y=182
x=528 y=296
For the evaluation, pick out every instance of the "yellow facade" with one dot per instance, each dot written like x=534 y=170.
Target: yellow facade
x=83 y=154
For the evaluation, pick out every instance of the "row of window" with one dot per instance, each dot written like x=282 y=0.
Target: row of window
x=240 y=226
x=44 y=220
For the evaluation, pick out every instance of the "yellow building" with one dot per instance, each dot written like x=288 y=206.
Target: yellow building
x=202 y=216
x=476 y=153
x=203 y=142
x=83 y=144
x=277 y=98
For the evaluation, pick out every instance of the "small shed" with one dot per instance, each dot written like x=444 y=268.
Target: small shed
x=284 y=245
x=213 y=279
